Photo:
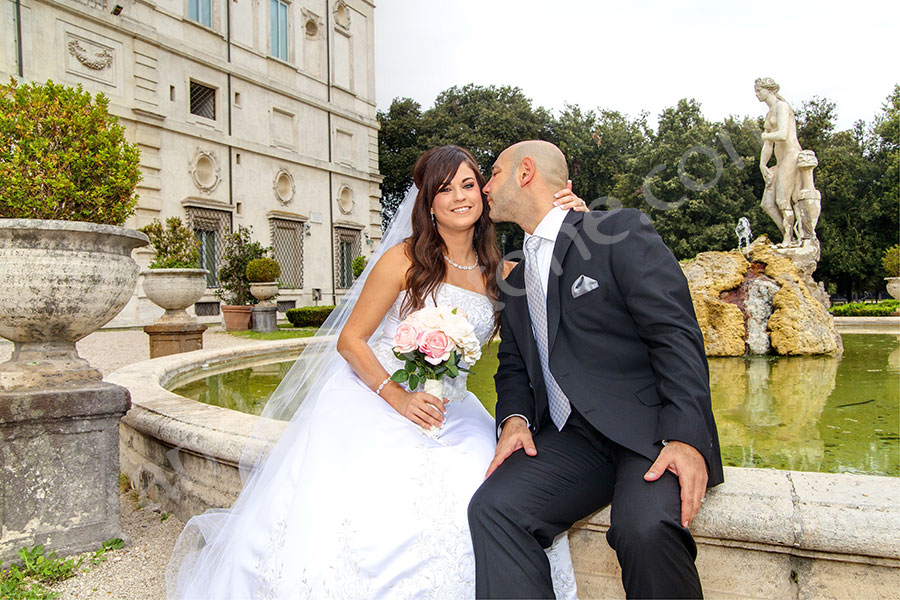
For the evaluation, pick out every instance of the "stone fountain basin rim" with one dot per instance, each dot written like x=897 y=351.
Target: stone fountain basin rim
x=193 y=426
x=845 y=517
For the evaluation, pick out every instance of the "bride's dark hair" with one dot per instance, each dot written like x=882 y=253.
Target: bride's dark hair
x=425 y=247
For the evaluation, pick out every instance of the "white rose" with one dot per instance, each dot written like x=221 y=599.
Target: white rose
x=471 y=352
x=459 y=329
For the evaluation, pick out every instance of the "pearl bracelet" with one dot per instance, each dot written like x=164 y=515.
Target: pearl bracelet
x=381 y=387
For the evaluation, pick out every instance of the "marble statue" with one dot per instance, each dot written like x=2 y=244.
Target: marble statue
x=790 y=196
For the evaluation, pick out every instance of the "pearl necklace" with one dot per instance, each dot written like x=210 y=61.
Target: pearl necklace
x=461 y=267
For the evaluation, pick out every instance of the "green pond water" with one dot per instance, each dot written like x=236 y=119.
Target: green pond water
x=812 y=413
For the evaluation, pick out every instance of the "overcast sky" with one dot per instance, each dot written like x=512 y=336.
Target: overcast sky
x=643 y=54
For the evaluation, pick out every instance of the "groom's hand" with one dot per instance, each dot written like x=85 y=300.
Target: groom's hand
x=514 y=435
x=688 y=465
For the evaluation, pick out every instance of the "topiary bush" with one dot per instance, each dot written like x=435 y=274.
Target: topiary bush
x=308 y=316
x=263 y=270
x=174 y=244
x=238 y=251
x=63 y=156
x=891 y=261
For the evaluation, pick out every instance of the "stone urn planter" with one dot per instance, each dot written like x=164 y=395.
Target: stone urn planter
x=893 y=287
x=59 y=282
x=264 y=291
x=174 y=290
x=265 y=317
x=236 y=318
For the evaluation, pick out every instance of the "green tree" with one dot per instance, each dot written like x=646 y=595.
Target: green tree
x=693 y=178
x=859 y=192
x=816 y=123
x=598 y=146
x=399 y=145
x=484 y=120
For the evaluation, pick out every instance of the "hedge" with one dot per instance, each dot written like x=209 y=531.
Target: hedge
x=860 y=309
x=308 y=316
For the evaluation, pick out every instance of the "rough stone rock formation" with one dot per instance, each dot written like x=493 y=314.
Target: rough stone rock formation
x=769 y=304
x=710 y=275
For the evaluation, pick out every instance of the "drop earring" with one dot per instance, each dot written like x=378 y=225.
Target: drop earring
x=433 y=220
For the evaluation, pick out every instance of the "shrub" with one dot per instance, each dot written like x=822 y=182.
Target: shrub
x=891 y=261
x=308 y=316
x=63 y=156
x=859 y=309
x=174 y=245
x=263 y=270
x=359 y=265
x=239 y=250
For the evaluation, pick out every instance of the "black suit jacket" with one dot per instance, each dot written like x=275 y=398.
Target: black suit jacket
x=629 y=354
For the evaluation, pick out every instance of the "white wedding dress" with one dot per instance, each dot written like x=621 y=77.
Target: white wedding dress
x=371 y=508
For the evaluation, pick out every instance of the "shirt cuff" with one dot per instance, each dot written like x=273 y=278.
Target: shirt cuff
x=500 y=426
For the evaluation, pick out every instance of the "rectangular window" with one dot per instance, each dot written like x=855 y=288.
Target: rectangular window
x=287 y=242
x=208 y=261
x=203 y=101
x=210 y=228
x=200 y=11
x=346 y=246
x=278 y=28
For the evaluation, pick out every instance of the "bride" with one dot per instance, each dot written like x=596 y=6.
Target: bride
x=354 y=500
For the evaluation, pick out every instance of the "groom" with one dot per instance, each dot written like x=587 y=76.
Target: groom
x=602 y=394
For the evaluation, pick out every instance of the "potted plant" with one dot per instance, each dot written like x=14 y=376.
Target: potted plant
x=174 y=280
x=263 y=274
x=67 y=181
x=238 y=251
x=359 y=265
x=891 y=263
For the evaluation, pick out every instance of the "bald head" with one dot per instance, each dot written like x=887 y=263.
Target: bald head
x=523 y=181
x=549 y=161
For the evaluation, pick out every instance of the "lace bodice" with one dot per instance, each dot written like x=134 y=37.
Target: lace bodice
x=477 y=306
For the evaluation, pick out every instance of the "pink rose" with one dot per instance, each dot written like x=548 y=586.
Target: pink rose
x=406 y=338
x=436 y=346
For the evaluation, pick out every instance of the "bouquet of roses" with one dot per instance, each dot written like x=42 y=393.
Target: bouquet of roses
x=432 y=341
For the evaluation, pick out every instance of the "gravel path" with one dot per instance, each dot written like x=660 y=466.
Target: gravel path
x=137 y=571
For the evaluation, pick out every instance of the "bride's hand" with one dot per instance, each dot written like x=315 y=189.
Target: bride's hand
x=566 y=199
x=422 y=409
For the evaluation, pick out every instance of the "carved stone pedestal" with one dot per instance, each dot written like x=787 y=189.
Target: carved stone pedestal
x=59 y=466
x=173 y=338
x=265 y=317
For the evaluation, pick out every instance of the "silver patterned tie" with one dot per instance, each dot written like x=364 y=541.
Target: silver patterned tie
x=560 y=409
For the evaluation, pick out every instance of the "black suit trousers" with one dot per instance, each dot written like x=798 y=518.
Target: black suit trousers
x=528 y=501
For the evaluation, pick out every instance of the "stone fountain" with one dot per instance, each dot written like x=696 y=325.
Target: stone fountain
x=762 y=298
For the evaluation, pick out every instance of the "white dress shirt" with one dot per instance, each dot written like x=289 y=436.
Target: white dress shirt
x=548 y=231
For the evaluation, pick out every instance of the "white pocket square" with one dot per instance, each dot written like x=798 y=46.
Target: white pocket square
x=583 y=285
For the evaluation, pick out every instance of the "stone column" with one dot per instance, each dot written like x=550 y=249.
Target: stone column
x=59 y=456
x=265 y=317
